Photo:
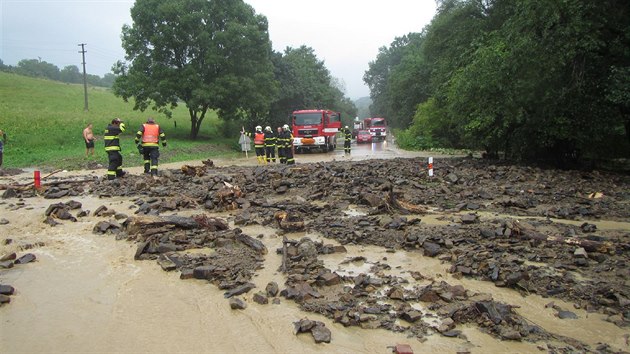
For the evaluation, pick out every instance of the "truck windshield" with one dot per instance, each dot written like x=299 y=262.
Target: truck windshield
x=308 y=118
x=378 y=123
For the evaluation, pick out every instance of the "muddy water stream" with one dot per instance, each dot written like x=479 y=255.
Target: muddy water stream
x=86 y=294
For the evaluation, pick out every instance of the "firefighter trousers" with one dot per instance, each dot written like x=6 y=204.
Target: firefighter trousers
x=151 y=155
x=115 y=164
x=270 y=153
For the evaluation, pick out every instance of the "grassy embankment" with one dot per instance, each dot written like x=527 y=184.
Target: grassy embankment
x=44 y=122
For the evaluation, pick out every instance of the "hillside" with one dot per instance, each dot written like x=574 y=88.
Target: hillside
x=363 y=107
x=44 y=121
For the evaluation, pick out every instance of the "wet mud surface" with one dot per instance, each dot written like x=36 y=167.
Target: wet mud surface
x=483 y=256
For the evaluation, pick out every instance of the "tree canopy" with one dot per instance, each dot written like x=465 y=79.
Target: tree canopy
x=306 y=83
x=209 y=54
x=527 y=78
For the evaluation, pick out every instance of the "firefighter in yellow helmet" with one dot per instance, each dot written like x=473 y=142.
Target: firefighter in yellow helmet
x=147 y=139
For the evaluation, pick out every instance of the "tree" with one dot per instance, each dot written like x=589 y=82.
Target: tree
x=209 y=54
x=305 y=83
x=37 y=68
x=71 y=74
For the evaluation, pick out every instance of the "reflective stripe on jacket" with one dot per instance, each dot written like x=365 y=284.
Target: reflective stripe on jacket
x=270 y=139
x=110 y=137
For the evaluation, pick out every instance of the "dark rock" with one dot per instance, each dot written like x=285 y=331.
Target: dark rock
x=321 y=334
x=509 y=333
x=329 y=279
x=8 y=257
x=396 y=293
x=142 y=246
x=411 y=316
x=239 y=290
x=6 y=290
x=567 y=315
x=73 y=204
x=99 y=210
x=9 y=193
x=272 y=289
x=431 y=249
x=4 y=299
x=6 y=264
x=4 y=221
x=166 y=263
x=261 y=298
x=237 y=304
x=452 y=333
x=186 y=273
x=469 y=218
x=51 y=221
x=29 y=257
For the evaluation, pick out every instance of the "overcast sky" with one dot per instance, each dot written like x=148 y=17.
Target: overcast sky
x=345 y=34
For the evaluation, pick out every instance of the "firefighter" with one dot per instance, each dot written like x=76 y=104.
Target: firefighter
x=288 y=145
x=147 y=138
x=112 y=147
x=280 y=145
x=259 y=145
x=347 y=133
x=270 y=145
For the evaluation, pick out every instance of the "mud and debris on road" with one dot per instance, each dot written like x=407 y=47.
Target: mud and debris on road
x=559 y=235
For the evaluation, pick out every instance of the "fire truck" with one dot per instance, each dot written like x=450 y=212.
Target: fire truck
x=377 y=128
x=315 y=129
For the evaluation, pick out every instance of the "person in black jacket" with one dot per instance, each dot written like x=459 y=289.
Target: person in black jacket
x=270 y=145
x=347 y=134
x=112 y=147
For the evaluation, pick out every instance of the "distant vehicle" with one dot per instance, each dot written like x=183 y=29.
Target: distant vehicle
x=364 y=136
x=356 y=126
x=315 y=129
x=377 y=127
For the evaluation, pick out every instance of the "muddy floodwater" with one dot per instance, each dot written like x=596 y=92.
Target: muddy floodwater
x=85 y=293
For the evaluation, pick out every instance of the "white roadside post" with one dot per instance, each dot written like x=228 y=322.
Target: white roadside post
x=430 y=166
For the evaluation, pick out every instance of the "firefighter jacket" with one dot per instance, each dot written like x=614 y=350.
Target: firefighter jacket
x=347 y=133
x=149 y=134
x=259 y=140
x=110 y=137
x=270 y=139
x=287 y=139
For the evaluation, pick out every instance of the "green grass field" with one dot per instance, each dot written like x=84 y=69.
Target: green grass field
x=44 y=122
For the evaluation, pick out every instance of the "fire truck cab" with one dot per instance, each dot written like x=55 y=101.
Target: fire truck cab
x=315 y=129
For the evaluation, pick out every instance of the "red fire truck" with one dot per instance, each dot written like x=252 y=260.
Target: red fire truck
x=315 y=129
x=377 y=128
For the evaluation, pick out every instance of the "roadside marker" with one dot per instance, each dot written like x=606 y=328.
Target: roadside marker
x=430 y=166
x=37 y=179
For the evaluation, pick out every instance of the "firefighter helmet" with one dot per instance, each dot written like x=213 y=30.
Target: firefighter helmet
x=258 y=128
x=285 y=127
x=267 y=128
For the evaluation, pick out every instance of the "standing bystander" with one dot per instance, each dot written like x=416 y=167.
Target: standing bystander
x=89 y=138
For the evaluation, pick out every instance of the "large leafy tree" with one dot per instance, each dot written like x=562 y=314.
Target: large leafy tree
x=209 y=54
x=305 y=83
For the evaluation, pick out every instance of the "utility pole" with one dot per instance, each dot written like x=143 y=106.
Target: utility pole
x=85 y=108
